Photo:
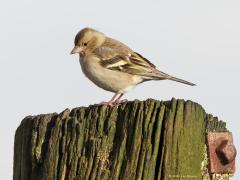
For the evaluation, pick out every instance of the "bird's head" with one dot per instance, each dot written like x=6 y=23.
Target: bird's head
x=87 y=40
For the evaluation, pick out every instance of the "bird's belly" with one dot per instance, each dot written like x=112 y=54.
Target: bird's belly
x=114 y=81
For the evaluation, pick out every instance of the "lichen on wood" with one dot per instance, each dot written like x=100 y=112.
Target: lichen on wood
x=135 y=140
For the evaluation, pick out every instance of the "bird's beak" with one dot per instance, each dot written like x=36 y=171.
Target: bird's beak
x=76 y=49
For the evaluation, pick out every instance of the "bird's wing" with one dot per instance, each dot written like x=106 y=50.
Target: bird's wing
x=116 y=56
x=130 y=62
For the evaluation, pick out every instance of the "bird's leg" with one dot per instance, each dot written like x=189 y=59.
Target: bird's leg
x=110 y=103
x=117 y=101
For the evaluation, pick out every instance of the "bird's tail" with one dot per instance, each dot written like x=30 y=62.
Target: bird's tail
x=181 y=81
x=159 y=75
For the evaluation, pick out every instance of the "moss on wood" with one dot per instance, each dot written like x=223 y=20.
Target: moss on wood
x=136 y=140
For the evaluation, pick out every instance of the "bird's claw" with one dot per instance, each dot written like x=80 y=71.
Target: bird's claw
x=107 y=103
x=114 y=103
x=120 y=101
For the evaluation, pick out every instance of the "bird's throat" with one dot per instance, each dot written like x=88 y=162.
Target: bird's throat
x=82 y=54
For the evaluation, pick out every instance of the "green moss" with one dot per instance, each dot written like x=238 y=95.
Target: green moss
x=204 y=165
x=135 y=140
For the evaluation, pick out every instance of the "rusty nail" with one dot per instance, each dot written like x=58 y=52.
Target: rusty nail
x=222 y=152
x=226 y=152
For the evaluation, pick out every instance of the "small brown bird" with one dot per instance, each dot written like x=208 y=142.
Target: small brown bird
x=112 y=65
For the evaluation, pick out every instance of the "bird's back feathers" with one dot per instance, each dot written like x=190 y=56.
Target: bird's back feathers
x=116 y=56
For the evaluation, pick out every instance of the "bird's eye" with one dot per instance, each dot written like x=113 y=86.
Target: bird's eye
x=84 y=44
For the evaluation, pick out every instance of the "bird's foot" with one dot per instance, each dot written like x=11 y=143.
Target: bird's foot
x=113 y=103
x=110 y=103
x=120 y=101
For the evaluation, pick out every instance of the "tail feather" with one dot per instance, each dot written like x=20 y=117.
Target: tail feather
x=181 y=81
x=159 y=75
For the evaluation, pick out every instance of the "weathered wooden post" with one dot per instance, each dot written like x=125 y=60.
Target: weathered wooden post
x=136 y=140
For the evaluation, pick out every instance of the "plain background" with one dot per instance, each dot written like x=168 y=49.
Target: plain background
x=195 y=40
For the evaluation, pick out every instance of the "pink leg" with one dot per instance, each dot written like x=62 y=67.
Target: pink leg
x=114 y=97
x=118 y=99
x=110 y=103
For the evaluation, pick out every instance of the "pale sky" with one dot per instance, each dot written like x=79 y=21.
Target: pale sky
x=195 y=40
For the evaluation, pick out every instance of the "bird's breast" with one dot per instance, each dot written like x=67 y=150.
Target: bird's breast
x=114 y=81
